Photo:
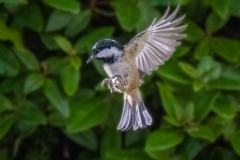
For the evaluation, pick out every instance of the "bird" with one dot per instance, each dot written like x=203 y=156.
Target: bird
x=127 y=65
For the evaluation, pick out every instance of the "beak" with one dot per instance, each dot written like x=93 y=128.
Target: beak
x=91 y=58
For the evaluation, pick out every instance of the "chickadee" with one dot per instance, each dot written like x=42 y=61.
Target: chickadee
x=127 y=65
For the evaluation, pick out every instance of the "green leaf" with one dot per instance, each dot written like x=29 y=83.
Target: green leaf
x=224 y=108
x=163 y=139
x=149 y=13
x=189 y=69
x=172 y=121
x=26 y=129
x=172 y=71
x=86 y=42
x=58 y=20
x=203 y=103
x=170 y=2
x=229 y=80
x=235 y=142
x=70 y=78
x=189 y=112
x=234 y=8
x=14 y=1
x=10 y=34
x=164 y=155
x=64 y=44
x=203 y=132
x=218 y=125
x=111 y=140
x=209 y=69
x=128 y=14
x=56 y=119
x=56 y=64
x=203 y=48
x=9 y=65
x=6 y=122
x=76 y=62
x=78 y=23
x=53 y=94
x=48 y=41
x=229 y=130
x=34 y=20
x=5 y=103
x=87 y=139
x=27 y=58
x=221 y=7
x=198 y=85
x=129 y=154
x=214 y=22
x=191 y=147
x=181 y=51
x=82 y=93
x=228 y=49
x=72 y=6
x=9 y=84
x=31 y=114
x=33 y=82
x=85 y=114
x=168 y=100
x=193 y=31
x=134 y=137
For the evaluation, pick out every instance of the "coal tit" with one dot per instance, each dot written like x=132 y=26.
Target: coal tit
x=127 y=65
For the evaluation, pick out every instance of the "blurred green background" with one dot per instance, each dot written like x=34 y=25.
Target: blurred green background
x=52 y=106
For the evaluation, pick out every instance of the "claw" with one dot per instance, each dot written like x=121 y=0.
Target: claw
x=113 y=89
x=107 y=80
x=111 y=84
x=118 y=78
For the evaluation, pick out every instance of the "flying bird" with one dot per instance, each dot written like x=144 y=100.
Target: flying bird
x=127 y=65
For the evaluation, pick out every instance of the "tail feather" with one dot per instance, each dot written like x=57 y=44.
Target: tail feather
x=124 y=115
x=146 y=114
x=135 y=116
x=131 y=118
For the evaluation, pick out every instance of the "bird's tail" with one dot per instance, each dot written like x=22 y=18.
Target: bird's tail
x=134 y=112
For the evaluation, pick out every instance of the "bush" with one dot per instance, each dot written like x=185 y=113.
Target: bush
x=53 y=107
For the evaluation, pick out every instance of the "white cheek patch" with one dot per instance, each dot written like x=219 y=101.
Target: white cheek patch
x=109 y=52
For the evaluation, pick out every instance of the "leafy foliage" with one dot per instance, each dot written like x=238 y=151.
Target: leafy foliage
x=53 y=107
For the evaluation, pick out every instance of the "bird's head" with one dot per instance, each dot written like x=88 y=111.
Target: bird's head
x=107 y=50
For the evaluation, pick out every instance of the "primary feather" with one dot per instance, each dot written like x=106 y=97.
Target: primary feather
x=155 y=45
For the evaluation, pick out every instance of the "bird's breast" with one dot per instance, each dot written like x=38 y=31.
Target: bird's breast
x=127 y=71
x=115 y=68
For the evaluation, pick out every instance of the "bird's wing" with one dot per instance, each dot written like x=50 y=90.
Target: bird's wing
x=155 y=45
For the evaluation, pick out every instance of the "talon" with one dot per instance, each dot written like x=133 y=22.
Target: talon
x=118 y=78
x=107 y=80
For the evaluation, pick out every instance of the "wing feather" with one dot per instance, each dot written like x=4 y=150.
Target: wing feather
x=155 y=45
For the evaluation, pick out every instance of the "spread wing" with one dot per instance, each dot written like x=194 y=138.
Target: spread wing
x=155 y=45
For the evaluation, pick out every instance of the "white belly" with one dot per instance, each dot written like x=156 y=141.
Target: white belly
x=116 y=68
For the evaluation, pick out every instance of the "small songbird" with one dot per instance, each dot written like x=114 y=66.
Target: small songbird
x=127 y=65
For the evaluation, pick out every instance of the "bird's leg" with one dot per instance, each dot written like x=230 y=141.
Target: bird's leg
x=108 y=81
x=119 y=78
x=110 y=84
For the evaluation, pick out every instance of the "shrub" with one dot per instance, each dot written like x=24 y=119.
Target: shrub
x=53 y=107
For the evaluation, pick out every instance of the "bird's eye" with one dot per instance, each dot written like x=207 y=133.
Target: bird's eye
x=97 y=51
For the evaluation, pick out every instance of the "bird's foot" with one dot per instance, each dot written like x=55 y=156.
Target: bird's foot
x=112 y=82
x=106 y=80
x=118 y=78
x=109 y=83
